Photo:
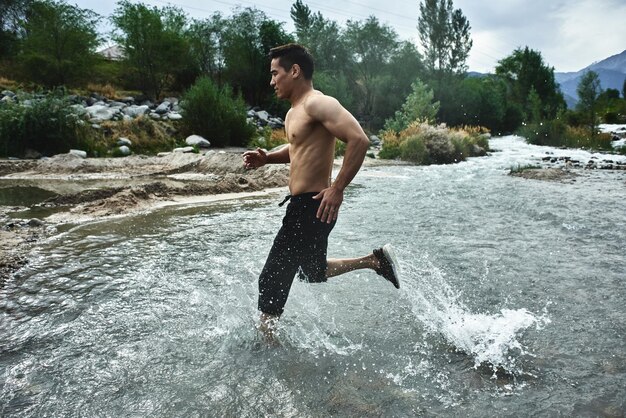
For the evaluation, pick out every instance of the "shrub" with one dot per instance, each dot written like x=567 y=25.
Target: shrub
x=49 y=125
x=271 y=138
x=413 y=149
x=558 y=134
x=544 y=133
x=215 y=114
x=340 y=148
x=148 y=136
x=425 y=144
x=390 y=149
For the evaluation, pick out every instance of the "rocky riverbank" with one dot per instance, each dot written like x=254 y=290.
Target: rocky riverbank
x=72 y=189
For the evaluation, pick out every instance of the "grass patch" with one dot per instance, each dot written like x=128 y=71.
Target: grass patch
x=147 y=136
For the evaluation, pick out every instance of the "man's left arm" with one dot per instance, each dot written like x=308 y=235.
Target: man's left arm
x=340 y=123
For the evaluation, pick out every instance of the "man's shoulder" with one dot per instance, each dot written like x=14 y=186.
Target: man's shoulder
x=318 y=104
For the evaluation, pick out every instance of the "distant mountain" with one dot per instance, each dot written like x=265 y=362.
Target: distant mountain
x=611 y=71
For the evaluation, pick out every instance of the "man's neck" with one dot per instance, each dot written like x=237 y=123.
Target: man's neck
x=300 y=94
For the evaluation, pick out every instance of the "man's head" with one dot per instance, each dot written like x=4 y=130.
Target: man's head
x=293 y=54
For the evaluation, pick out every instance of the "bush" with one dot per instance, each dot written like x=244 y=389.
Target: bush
x=271 y=138
x=148 y=136
x=340 y=148
x=425 y=144
x=413 y=149
x=558 y=134
x=551 y=132
x=49 y=125
x=215 y=114
x=390 y=149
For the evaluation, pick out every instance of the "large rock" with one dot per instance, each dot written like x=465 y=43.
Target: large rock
x=163 y=108
x=197 y=141
x=124 y=141
x=101 y=112
x=134 y=111
x=183 y=150
x=174 y=116
x=263 y=115
x=78 y=153
x=124 y=150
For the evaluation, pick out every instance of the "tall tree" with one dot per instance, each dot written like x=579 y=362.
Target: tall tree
x=205 y=42
x=153 y=42
x=247 y=38
x=588 y=90
x=59 y=43
x=523 y=71
x=372 y=46
x=445 y=36
x=12 y=17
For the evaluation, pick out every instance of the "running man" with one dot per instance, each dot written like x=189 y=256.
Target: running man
x=312 y=124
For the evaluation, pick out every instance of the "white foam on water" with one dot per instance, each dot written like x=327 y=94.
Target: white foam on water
x=492 y=339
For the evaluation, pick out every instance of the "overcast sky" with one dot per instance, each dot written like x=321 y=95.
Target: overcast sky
x=570 y=34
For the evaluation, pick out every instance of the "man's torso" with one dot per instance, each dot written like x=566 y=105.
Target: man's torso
x=311 y=151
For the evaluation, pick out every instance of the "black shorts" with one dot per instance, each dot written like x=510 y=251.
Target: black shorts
x=299 y=248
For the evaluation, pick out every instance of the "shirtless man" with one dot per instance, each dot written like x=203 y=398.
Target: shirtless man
x=312 y=124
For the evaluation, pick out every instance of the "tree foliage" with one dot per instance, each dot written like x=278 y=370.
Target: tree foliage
x=445 y=36
x=589 y=90
x=59 y=44
x=525 y=71
x=215 y=113
x=153 y=43
x=419 y=106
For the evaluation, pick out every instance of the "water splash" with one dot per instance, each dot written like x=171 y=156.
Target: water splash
x=491 y=339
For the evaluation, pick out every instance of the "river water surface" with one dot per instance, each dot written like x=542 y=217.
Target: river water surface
x=512 y=304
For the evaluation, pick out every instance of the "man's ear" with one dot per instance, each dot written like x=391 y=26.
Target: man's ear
x=295 y=71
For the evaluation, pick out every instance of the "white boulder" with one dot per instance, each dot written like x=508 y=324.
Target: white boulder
x=183 y=150
x=198 y=141
x=78 y=153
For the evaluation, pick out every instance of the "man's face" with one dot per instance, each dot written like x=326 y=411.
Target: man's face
x=280 y=80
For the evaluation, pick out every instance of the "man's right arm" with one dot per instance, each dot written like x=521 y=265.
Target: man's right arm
x=260 y=157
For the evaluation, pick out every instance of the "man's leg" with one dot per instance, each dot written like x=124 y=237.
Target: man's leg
x=382 y=261
x=337 y=266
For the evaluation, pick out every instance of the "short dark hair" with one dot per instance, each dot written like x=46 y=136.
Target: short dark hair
x=291 y=54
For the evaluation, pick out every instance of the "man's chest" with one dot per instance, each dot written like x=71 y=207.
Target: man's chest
x=299 y=126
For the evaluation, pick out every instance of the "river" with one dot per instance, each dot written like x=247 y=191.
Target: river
x=512 y=304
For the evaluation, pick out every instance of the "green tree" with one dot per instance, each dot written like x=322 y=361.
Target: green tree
x=534 y=106
x=206 y=49
x=588 y=91
x=445 y=36
x=12 y=16
x=247 y=38
x=523 y=71
x=372 y=46
x=323 y=38
x=59 y=44
x=153 y=42
x=419 y=106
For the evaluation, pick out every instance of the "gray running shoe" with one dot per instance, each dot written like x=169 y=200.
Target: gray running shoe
x=388 y=264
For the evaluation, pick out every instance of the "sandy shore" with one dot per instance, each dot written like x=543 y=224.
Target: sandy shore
x=75 y=190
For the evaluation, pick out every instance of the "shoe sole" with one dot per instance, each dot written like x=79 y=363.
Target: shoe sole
x=391 y=256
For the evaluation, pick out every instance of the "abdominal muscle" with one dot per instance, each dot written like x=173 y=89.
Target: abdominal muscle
x=311 y=165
